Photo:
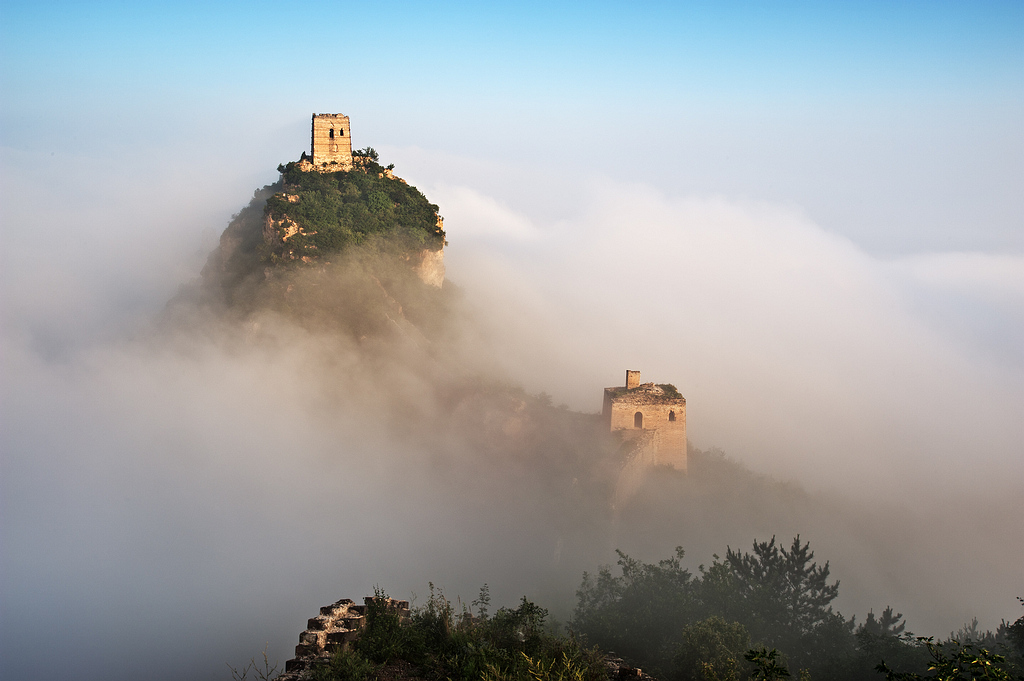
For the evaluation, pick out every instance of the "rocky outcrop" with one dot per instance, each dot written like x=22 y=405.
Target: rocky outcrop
x=431 y=267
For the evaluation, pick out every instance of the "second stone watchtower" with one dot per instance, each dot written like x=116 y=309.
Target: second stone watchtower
x=650 y=417
x=332 y=142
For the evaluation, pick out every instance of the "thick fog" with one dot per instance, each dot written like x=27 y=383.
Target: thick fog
x=179 y=490
x=845 y=369
x=808 y=218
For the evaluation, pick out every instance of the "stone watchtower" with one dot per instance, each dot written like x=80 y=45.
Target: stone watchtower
x=652 y=416
x=332 y=142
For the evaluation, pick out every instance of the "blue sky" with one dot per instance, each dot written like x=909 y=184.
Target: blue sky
x=894 y=123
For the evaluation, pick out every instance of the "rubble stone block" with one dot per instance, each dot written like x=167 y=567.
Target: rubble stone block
x=356 y=622
x=295 y=665
x=318 y=623
x=334 y=610
x=304 y=649
x=341 y=636
x=313 y=637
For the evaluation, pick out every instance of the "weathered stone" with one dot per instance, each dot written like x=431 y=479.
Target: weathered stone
x=318 y=623
x=431 y=269
x=304 y=649
x=341 y=636
x=298 y=664
x=354 y=622
x=313 y=637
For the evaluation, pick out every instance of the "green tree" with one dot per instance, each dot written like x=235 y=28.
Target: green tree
x=781 y=595
x=784 y=592
x=639 y=613
x=784 y=599
x=1014 y=633
x=710 y=650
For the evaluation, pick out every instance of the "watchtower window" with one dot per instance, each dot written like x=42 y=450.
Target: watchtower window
x=671 y=416
x=341 y=132
x=332 y=133
x=638 y=420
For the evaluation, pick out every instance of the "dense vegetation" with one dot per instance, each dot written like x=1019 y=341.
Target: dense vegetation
x=690 y=627
x=765 y=614
x=363 y=229
x=442 y=643
x=336 y=210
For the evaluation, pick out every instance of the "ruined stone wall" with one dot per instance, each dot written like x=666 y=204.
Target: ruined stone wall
x=672 y=448
x=336 y=627
x=331 y=142
x=641 y=453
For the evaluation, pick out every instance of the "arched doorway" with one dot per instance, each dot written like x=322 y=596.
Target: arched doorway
x=638 y=420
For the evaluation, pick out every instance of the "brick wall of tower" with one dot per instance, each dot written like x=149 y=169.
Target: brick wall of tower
x=662 y=423
x=332 y=141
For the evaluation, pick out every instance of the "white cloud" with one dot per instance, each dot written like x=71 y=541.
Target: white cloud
x=482 y=217
x=797 y=351
x=993 y=276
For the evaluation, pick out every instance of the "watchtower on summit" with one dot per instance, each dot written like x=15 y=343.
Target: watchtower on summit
x=332 y=142
x=651 y=417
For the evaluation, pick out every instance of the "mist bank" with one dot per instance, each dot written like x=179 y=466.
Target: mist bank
x=229 y=472
x=798 y=352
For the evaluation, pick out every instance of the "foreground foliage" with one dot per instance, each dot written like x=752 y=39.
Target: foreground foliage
x=953 y=661
x=514 y=644
x=690 y=627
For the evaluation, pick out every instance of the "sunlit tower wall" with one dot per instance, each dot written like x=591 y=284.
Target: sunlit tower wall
x=646 y=414
x=332 y=142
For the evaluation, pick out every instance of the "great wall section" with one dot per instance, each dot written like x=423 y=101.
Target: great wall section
x=341 y=624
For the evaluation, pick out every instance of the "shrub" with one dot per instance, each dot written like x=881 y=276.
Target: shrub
x=514 y=644
x=345 y=665
x=711 y=650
